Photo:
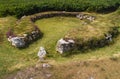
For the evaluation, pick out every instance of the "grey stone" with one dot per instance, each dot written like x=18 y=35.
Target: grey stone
x=23 y=17
x=15 y=78
x=91 y=18
x=108 y=37
x=18 y=42
x=41 y=53
x=64 y=45
x=85 y=16
x=80 y=16
x=91 y=77
x=48 y=75
x=46 y=65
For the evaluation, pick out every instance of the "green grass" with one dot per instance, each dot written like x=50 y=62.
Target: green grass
x=12 y=59
x=54 y=29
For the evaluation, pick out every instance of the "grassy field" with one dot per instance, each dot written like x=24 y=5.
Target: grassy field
x=13 y=59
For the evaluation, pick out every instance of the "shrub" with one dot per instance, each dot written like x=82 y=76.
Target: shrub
x=27 y=7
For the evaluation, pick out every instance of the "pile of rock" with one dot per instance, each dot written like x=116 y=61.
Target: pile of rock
x=85 y=16
x=65 y=45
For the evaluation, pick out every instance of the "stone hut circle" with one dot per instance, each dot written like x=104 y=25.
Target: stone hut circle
x=73 y=39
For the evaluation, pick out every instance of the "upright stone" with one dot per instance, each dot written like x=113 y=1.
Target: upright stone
x=42 y=53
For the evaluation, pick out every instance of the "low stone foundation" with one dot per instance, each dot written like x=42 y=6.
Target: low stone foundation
x=35 y=34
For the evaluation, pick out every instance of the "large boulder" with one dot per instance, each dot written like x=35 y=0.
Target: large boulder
x=65 y=45
x=17 y=42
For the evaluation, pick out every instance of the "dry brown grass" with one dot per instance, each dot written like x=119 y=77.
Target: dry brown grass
x=98 y=69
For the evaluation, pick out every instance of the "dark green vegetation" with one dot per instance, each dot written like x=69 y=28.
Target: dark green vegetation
x=26 y=7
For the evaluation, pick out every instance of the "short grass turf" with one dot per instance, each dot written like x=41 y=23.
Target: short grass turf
x=12 y=59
